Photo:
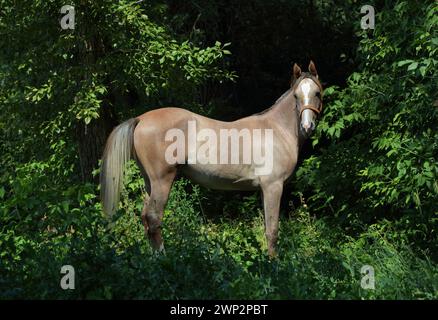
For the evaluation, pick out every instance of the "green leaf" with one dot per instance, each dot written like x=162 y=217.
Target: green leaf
x=413 y=66
x=404 y=62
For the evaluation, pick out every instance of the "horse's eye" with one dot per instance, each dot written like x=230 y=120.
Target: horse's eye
x=318 y=94
x=295 y=96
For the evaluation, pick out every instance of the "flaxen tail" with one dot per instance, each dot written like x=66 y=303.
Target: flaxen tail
x=118 y=151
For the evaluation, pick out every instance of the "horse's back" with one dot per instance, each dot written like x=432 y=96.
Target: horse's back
x=161 y=130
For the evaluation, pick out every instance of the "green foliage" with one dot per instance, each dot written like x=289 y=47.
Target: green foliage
x=53 y=80
x=377 y=143
x=225 y=256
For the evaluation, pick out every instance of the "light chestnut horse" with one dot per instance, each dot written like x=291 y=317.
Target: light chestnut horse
x=291 y=120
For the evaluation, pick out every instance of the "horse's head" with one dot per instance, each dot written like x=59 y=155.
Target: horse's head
x=307 y=91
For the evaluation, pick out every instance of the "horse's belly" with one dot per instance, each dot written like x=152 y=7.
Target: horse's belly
x=227 y=178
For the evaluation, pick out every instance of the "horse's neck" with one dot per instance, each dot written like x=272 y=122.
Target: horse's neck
x=286 y=115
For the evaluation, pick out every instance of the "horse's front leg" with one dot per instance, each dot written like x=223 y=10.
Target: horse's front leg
x=271 y=201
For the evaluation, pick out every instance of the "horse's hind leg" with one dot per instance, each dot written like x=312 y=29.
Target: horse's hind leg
x=150 y=152
x=147 y=195
x=160 y=188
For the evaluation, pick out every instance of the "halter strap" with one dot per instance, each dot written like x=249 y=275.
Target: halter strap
x=310 y=107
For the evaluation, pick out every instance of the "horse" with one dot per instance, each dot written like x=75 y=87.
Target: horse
x=150 y=140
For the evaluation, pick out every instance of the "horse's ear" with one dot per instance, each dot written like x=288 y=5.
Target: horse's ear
x=296 y=71
x=312 y=69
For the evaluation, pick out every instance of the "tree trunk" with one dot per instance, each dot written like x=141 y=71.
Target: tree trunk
x=91 y=140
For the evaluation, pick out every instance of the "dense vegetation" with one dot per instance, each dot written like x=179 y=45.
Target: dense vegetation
x=365 y=192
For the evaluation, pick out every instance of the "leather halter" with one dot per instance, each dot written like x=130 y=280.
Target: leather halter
x=310 y=107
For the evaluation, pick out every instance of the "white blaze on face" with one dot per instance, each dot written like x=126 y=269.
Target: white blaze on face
x=307 y=116
x=305 y=87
